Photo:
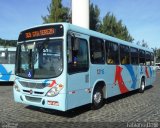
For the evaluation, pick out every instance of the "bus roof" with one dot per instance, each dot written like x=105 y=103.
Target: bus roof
x=106 y=37
x=85 y=31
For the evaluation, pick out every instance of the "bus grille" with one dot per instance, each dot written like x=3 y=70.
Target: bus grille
x=33 y=99
x=33 y=85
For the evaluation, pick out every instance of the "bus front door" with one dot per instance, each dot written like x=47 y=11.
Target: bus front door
x=78 y=88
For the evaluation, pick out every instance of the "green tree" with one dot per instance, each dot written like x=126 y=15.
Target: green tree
x=94 y=17
x=112 y=27
x=144 y=44
x=57 y=13
x=7 y=43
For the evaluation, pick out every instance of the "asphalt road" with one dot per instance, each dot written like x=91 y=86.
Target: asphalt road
x=129 y=110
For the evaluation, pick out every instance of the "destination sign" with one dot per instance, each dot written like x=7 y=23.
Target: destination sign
x=41 y=32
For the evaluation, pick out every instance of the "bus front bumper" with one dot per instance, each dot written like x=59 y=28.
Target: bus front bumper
x=56 y=103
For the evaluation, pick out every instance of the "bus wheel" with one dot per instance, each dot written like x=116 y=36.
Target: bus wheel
x=142 y=87
x=97 y=99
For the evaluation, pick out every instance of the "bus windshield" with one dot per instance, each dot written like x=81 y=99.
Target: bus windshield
x=40 y=59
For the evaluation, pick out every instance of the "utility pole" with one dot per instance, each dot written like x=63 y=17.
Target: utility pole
x=80 y=13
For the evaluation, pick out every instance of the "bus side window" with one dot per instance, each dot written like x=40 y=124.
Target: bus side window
x=124 y=54
x=97 y=50
x=4 y=57
x=142 y=60
x=134 y=56
x=152 y=59
x=112 y=53
x=148 y=58
x=11 y=57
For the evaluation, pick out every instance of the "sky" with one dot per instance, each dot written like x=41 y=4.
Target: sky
x=142 y=17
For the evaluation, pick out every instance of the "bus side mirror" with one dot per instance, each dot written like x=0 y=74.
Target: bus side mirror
x=74 y=42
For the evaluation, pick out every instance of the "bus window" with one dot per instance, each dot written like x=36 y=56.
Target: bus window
x=7 y=57
x=124 y=54
x=134 y=56
x=148 y=58
x=11 y=57
x=77 y=53
x=112 y=55
x=152 y=59
x=97 y=50
x=142 y=57
x=3 y=57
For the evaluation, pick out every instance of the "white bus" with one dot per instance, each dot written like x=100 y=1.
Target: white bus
x=7 y=64
x=61 y=66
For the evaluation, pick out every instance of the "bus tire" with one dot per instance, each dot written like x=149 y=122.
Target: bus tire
x=142 y=86
x=97 y=99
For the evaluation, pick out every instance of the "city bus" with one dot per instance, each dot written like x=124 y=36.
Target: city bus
x=61 y=66
x=7 y=64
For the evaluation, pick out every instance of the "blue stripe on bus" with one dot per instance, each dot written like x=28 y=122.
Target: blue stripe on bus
x=4 y=74
x=133 y=76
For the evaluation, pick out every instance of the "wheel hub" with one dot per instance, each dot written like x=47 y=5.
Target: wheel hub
x=143 y=85
x=97 y=97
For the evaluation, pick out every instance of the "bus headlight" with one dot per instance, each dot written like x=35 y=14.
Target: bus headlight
x=55 y=90
x=16 y=87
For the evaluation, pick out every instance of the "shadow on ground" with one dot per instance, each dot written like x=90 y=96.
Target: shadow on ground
x=6 y=83
x=85 y=108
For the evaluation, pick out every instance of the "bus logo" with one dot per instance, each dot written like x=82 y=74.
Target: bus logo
x=29 y=74
x=31 y=92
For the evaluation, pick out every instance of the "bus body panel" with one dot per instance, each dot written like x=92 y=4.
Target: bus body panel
x=149 y=73
x=119 y=79
x=78 y=92
x=7 y=72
